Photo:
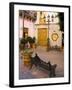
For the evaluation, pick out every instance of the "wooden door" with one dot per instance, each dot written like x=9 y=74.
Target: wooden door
x=42 y=36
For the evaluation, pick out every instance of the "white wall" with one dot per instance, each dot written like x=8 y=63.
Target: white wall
x=55 y=29
x=27 y=24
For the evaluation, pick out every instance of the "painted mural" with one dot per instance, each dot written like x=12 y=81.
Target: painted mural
x=41 y=44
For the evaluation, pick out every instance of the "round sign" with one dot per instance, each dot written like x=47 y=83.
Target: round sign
x=55 y=36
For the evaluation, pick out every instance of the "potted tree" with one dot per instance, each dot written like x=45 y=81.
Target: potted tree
x=29 y=39
x=27 y=57
x=27 y=51
x=23 y=41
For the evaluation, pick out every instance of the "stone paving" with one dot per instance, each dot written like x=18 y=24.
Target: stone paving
x=55 y=57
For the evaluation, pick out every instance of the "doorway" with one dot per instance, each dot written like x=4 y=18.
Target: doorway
x=42 y=36
x=25 y=32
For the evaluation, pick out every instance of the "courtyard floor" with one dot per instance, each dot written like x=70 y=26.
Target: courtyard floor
x=55 y=57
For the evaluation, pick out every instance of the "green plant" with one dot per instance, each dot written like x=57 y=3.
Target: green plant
x=23 y=41
x=29 y=39
x=27 y=50
x=61 y=20
x=34 y=39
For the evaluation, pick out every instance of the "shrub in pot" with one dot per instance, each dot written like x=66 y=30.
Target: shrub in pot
x=30 y=40
x=23 y=41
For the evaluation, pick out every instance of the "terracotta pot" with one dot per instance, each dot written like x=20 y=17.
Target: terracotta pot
x=26 y=59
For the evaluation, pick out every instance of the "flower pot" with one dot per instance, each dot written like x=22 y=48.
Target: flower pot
x=26 y=59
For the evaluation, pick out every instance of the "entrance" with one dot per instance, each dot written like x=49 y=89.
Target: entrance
x=42 y=36
x=25 y=32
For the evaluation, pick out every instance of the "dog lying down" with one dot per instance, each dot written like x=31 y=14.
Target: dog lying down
x=47 y=66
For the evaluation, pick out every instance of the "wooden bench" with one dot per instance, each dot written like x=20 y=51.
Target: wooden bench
x=47 y=66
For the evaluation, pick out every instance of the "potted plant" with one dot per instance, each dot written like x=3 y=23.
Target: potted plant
x=23 y=41
x=29 y=39
x=27 y=56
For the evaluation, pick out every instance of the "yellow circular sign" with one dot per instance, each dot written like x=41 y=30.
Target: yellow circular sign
x=55 y=36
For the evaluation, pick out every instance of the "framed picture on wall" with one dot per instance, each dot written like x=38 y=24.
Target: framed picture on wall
x=39 y=44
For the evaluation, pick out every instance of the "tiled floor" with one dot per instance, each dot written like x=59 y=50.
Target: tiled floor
x=55 y=57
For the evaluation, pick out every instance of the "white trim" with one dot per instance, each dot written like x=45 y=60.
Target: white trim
x=16 y=48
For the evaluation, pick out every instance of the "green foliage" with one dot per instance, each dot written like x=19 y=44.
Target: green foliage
x=29 y=39
x=23 y=41
x=34 y=39
x=61 y=21
x=30 y=15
